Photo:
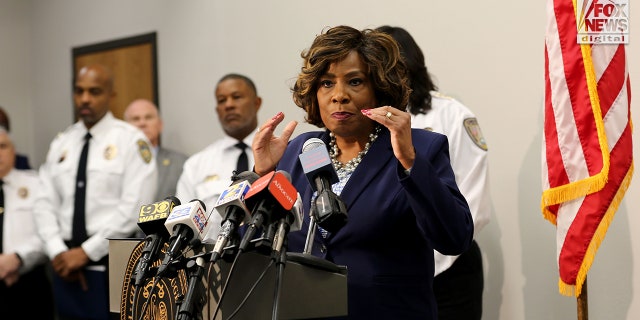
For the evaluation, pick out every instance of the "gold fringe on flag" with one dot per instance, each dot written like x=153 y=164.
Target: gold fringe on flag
x=595 y=183
x=575 y=290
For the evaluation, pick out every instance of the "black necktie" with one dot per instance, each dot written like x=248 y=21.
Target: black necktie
x=1 y=215
x=243 y=161
x=79 y=231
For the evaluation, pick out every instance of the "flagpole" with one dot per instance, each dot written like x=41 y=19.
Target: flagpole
x=583 y=304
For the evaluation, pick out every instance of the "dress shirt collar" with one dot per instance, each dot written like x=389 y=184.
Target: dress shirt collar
x=99 y=128
x=229 y=143
x=9 y=177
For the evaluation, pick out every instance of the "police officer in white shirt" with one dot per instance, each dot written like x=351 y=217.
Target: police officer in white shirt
x=23 y=275
x=208 y=172
x=120 y=176
x=459 y=280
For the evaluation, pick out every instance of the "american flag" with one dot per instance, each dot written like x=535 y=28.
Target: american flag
x=587 y=156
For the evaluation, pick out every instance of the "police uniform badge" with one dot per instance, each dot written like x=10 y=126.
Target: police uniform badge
x=23 y=192
x=110 y=152
x=473 y=129
x=145 y=151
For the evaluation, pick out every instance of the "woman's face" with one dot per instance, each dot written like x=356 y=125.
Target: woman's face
x=343 y=91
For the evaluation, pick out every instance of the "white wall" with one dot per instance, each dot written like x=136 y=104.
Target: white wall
x=488 y=54
x=15 y=74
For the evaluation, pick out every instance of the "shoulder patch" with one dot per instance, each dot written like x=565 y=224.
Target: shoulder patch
x=473 y=129
x=145 y=151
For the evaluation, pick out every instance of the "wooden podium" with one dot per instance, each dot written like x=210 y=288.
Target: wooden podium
x=310 y=287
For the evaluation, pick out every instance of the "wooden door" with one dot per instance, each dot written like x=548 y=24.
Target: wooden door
x=133 y=63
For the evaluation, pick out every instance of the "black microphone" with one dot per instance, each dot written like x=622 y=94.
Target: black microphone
x=151 y=221
x=328 y=209
x=270 y=198
x=194 y=299
x=292 y=221
x=186 y=224
x=233 y=210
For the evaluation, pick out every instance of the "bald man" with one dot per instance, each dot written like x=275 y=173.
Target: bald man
x=120 y=176
x=144 y=114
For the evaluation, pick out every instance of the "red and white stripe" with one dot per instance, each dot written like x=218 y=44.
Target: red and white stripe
x=587 y=156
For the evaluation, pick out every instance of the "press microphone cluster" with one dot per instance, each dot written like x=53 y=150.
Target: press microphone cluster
x=270 y=198
x=234 y=212
x=151 y=221
x=328 y=209
x=186 y=223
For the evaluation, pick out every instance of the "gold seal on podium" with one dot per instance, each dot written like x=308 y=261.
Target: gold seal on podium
x=156 y=297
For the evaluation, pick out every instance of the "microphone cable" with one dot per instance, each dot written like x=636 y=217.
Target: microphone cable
x=146 y=303
x=226 y=285
x=255 y=284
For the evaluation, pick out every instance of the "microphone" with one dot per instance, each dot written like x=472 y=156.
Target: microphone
x=328 y=209
x=151 y=221
x=270 y=198
x=194 y=299
x=186 y=224
x=233 y=210
x=292 y=221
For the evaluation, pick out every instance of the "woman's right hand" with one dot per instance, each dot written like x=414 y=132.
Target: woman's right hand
x=269 y=148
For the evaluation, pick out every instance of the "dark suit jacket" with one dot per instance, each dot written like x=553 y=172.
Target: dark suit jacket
x=394 y=224
x=169 y=165
x=22 y=162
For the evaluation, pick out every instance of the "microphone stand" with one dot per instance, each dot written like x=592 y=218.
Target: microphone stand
x=281 y=261
x=311 y=234
x=193 y=301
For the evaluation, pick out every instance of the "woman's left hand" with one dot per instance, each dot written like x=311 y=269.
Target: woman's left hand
x=399 y=124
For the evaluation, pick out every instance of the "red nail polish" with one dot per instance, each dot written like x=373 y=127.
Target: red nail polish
x=277 y=114
x=366 y=112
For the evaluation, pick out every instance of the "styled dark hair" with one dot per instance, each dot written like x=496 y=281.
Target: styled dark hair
x=420 y=81
x=379 y=52
x=244 y=78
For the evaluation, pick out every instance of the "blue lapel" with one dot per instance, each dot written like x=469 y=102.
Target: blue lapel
x=376 y=159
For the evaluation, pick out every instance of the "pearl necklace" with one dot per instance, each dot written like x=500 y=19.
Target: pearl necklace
x=346 y=169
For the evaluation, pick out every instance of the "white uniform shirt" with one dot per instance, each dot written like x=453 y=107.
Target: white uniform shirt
x=468 y=153
x=207 y=174
x=19 y=232
x=121 y=176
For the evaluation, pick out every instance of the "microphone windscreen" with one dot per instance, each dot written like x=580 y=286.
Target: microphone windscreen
x=316 y=162
x=245 y=175
x=204 y=207
x=312 y=143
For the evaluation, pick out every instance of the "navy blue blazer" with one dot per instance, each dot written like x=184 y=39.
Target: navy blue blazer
x=394 y=223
